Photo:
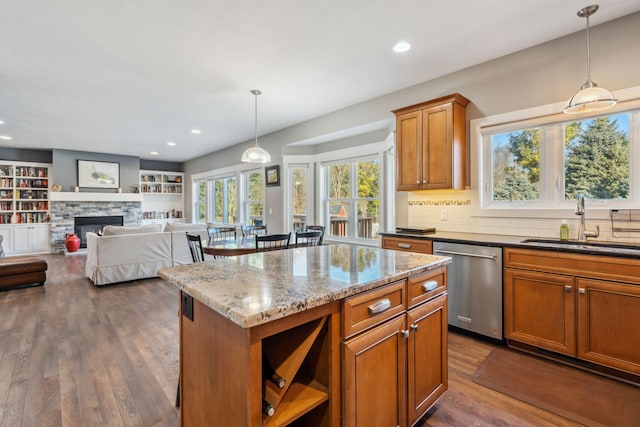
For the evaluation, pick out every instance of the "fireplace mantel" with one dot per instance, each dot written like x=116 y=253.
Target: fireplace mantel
x=70 y=196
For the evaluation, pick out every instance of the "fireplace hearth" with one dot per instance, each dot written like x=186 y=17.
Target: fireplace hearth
x=93 y=224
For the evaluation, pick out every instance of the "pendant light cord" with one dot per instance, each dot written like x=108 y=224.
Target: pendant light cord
x=256 y=92
x=588 y=52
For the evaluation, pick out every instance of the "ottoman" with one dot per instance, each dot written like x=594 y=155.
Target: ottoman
x=21 y=271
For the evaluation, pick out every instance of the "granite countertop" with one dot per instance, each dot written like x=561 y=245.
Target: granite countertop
x=257 y=288
x=592 y=247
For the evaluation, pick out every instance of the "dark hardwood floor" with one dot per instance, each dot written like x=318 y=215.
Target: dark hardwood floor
x=72 y=354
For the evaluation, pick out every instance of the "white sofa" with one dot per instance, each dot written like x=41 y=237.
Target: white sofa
x=130 y=253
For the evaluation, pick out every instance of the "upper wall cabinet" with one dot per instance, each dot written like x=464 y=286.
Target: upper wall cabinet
x=431 y=144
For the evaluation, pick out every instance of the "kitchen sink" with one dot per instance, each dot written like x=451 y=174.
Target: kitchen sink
x=589 y=245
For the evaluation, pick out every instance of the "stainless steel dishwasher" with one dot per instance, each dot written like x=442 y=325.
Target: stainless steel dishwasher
x=475 y=287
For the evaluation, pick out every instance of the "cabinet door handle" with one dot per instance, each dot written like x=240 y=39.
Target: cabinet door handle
x=414 y=327
x=405 y=333
x=424 y=182
x=380 y=306
x=582 y=291
x=418 y=182
x=404 y=245
x=568 y=288
x=429 y=286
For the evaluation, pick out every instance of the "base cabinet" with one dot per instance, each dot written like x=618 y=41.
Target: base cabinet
x=525 y=319
x=608 y=319
x=375 y=376
x=583 y=306
x=427 y=356
x=395 y=367
x=25 y=239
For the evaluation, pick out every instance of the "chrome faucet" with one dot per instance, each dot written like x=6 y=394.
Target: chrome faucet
x=582 y=232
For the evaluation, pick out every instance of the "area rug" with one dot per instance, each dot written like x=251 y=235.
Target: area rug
x=580 y=396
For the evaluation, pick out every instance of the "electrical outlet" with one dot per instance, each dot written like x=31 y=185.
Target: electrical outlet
x=444 y=215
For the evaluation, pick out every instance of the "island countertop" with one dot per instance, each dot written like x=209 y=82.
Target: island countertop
x=254 y=289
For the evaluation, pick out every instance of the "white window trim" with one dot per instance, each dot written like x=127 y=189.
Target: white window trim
x=234 y=170
x=379 y=149
x=628 y=99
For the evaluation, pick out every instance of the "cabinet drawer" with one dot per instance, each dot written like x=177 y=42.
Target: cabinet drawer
x=373 y=307
x=425 y=286
x=407 y=244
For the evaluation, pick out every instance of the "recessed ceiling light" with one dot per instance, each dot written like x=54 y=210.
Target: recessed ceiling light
x=401 y=47
x=196 y=131
x=171 y=144
x=154 y=153
x=1 y=122
x=6 y=137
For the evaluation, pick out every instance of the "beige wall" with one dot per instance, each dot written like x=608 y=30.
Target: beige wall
x=540 y=75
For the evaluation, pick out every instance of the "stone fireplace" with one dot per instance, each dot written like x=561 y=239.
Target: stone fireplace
x=65 y=207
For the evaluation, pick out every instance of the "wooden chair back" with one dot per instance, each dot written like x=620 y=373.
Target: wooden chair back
x=308 y=238
x=195 y=247
x=272 y=242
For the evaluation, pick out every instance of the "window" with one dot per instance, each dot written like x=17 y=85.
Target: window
x=353 y=198
x=254 y=200
x=224 y=196
x=546 y=162
x=596 y=158
x=299 y=203
x=200 y=198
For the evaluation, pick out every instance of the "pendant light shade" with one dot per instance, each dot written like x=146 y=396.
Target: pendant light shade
x=590 y=97
x=256 y=154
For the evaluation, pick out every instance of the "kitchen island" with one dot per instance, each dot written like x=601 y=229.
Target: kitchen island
x=312 y=315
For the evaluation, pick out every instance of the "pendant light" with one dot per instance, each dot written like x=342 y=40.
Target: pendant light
x=256 y=154
x=590 y=97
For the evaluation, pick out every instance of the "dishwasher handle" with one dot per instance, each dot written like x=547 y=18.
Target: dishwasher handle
x=442 y=251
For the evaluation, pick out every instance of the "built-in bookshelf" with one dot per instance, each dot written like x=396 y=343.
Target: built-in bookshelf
x=162 y=195
x=24 y=193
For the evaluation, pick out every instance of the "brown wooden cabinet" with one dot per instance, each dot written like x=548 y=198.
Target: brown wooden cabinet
x=539 y=309
x=431 y=144
x=395 y=361
x=427 y=343
x=407 y=244
x=608 y=319
x=584 y=306
x=221 y=368
x=375 y=376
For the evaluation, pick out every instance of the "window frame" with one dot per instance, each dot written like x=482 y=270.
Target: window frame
x=551 y=119
x=316 y=187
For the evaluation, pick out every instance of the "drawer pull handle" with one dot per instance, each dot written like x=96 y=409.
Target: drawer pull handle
x=582 y=291
x=568 y=288
x=380 y=306
x=404 y=245
x=429 y=286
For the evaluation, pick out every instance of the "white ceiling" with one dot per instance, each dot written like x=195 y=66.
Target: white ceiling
x=125 y=77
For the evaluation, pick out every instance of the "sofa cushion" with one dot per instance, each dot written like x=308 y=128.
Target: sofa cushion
x=116 y=230
x=178 y=226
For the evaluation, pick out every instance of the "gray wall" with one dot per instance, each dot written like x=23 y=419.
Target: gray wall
x=24 y=155
x=65 y=169
x=157 y=165
x=540 y=75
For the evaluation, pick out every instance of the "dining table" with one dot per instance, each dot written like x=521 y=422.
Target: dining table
x=226 y=248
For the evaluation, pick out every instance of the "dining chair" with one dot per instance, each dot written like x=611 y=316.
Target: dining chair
x=316 y=228
x=308 y=238
x=251 y=231
x=195 y=247
x=222 y=233
x=197 y=255
x=272 y=242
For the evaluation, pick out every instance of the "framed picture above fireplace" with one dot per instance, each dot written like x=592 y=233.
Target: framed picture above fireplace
x=92 y=174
